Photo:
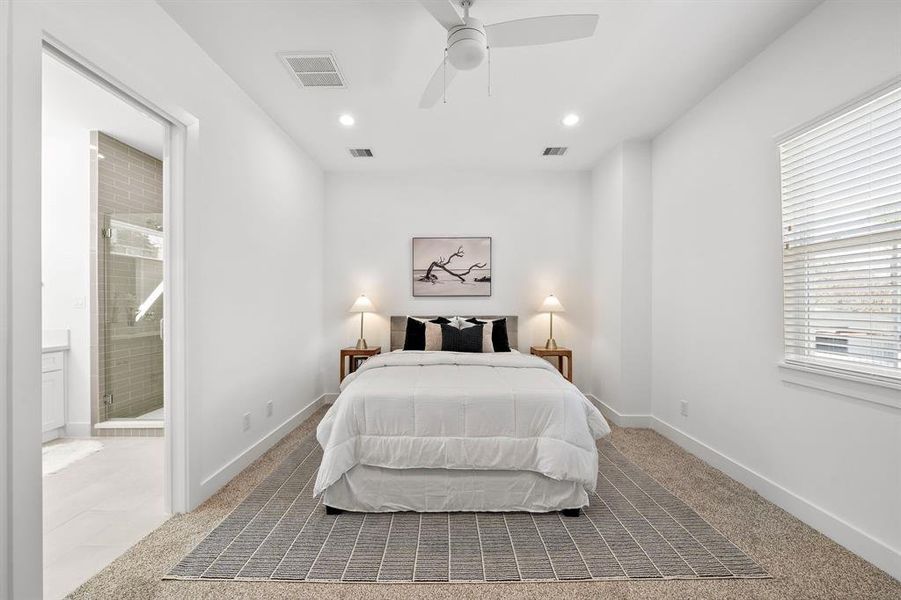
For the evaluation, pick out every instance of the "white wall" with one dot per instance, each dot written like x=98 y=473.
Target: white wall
x=253 y=206
x=65 y=252
x=540 y=245
x=606 y=277
x=621 y=253
x=833 y=460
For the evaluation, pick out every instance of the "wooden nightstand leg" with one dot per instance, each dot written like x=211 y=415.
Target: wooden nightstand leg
x=569 y=368
x=343 y=372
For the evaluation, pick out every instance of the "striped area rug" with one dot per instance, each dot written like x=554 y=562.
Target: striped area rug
x=633 y=529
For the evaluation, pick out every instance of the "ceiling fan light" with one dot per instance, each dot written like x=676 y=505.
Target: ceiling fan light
x=466 y=54
x=347 y=120
x=571 y=120
x=467 y=44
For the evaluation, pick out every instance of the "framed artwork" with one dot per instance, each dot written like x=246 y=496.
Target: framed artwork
x=451 y=266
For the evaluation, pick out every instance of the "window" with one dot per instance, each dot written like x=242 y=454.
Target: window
x=841 y=235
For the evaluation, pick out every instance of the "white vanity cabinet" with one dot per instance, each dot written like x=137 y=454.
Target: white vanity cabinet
x=53 y=390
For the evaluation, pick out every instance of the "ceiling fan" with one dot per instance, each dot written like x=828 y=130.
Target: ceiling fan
x=468 y=40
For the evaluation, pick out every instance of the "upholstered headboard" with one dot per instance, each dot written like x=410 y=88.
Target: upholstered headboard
x=399 y=329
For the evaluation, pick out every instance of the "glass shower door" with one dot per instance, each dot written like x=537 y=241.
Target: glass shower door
x=131 y=283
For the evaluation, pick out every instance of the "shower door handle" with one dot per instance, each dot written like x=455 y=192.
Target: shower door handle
x=162 y=335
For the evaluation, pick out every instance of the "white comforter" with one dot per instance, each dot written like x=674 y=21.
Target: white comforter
x=448 y=410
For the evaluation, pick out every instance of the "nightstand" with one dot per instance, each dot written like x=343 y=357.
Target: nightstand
x=559 y=354
x=352 y=358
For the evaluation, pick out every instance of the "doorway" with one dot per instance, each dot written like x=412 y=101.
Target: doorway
x=107 y=454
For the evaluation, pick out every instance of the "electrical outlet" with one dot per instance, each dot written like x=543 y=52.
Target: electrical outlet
x=246 y=422
x=269 y=408
x=684 y=408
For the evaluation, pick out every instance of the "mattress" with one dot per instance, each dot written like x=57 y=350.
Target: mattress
x=377 y=489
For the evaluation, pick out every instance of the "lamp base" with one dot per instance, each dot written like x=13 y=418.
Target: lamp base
x=551 y=344
x=361 y=344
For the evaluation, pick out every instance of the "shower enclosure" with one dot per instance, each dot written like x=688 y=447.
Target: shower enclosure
x=129 y=277
x=132 y=360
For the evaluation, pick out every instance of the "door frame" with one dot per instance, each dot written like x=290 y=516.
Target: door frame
x=5 y=297
x=176 y=478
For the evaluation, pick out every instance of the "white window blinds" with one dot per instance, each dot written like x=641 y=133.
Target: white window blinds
x=841 y=234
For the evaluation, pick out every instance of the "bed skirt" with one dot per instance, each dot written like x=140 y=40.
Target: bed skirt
x=377 y=489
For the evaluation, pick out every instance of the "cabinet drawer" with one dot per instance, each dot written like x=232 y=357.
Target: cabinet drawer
x=52 y=361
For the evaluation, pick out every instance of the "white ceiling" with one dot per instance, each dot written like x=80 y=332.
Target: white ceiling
x=647 y=64
x=71 y=101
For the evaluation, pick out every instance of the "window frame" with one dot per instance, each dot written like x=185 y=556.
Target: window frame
x=840 y=377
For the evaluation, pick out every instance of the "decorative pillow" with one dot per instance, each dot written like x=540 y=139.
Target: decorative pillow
x=461 y=340
x=460 y=322
x=487 y=331
x=499 y=338
x=434 y=334
x=414 y=338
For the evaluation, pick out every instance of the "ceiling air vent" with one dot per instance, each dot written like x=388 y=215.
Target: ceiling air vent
x=360 y=152
x=554 y=151
x=314 y=69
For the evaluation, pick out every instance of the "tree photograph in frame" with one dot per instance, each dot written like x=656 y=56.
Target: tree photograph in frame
x=452 y=266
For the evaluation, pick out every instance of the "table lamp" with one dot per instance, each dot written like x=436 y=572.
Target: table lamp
x=551 y=305
x=362 y=305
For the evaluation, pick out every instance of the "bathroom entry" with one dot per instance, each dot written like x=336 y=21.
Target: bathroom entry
x=102 y=268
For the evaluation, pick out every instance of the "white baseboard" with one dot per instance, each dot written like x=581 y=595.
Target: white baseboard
x=864 y=545
x=52 y=434
x=214 y=482
x=78 y=430
x=618 y=418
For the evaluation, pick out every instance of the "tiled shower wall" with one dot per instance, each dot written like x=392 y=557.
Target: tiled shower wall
x=129 y=354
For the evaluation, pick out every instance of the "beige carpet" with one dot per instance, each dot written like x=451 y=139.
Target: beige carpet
x=803 y=563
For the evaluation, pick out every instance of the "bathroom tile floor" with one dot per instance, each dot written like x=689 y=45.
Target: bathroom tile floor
x=98 y=507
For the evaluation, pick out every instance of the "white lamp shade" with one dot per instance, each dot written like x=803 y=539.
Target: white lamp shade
x=551 y=304
x=362 y=305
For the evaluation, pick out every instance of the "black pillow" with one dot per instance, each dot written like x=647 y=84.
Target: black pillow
x=414 y=339
x=461 y=340
x=499 y=338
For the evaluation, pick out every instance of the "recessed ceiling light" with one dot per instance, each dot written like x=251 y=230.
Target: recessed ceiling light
x=347 y=120
x=571 y=120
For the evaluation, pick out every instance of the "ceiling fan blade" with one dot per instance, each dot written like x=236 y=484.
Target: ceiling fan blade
x=444 y=12
x=437 y=84
x=541 y=30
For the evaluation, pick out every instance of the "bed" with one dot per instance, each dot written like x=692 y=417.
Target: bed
x=456 y=431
